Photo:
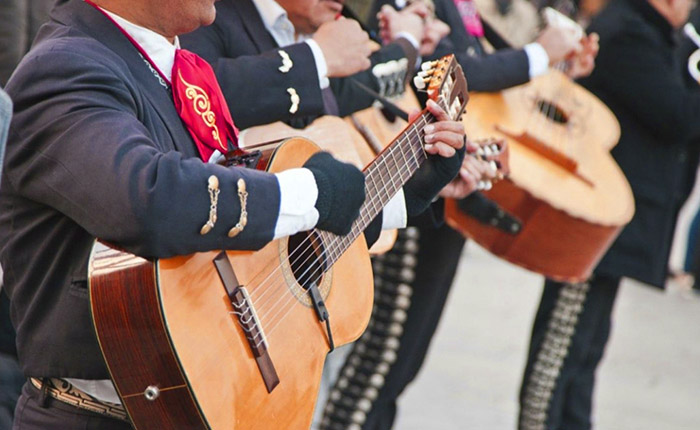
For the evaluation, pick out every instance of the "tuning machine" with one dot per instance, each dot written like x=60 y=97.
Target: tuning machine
x=424 y=76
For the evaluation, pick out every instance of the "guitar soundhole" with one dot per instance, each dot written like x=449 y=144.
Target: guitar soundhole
x=307 y=258
x=552 y=111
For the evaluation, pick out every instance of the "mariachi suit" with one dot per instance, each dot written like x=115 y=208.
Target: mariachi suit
x=242 y=51
x=97 y=150
x=438 y=249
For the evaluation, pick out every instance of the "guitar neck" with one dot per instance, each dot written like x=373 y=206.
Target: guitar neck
x=384 y=176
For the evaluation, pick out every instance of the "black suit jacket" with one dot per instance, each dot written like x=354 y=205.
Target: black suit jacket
x=242 y=52
x=638 y=76
x=97 y=150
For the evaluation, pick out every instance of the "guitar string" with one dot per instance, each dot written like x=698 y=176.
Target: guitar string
x=333 y=246
x=298 y=251
x=337 y=241
x=274 y=320
x=340 y=243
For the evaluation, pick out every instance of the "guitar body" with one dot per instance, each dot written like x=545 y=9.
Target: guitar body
x=564 y=186
x=169 y=324
x=334 y=135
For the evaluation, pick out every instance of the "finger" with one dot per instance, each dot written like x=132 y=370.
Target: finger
x=470 y=181
x=451 y=126
x=437 y=111
x=440 y=148
x=413 y=114
x=455 y=140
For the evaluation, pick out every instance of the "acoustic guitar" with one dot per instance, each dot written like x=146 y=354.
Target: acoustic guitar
x=237 y=340
x=565 y=190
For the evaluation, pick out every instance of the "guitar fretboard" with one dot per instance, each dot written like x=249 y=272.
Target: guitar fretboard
x=392 y=168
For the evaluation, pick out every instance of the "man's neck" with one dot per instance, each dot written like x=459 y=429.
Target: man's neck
x=135 y=12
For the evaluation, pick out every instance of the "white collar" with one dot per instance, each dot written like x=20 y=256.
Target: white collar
x=158 y=48
x=276 y=21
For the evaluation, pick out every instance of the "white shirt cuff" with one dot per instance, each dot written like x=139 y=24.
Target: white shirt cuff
x=408 y=36
x=321 y=66
x=298 y=194
x=537 y=58
x=394 y=215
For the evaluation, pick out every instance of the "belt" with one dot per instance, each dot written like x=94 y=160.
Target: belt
x=65 y=392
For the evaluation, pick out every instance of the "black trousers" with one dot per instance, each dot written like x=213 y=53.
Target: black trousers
x=566 y=400
x=35 y=413
x=438 y=256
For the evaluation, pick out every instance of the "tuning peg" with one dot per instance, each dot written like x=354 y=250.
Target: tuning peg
x=380 y=70
x=495 y=148
x=493 y=166
x=487 y=151
x=420 y=81
x=428 y=65
x=488 y=185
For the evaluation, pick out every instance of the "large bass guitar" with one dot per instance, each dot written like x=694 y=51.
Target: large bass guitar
x=236 y=340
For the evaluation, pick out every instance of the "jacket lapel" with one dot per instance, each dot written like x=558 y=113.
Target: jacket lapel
x=82 y=16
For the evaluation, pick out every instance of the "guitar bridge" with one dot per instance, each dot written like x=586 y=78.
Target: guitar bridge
x=248 y=319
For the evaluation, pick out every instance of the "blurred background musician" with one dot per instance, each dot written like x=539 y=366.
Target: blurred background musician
x=638 y=77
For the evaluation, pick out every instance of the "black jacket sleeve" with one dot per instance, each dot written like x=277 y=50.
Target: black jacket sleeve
x=79 y=146
x=255 y=88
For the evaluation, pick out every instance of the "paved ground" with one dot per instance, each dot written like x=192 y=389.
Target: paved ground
x=650 y=378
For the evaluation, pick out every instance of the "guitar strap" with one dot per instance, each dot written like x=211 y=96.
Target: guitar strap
x=388 y=105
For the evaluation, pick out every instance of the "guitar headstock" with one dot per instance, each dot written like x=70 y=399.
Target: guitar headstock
x=445 y=84
x=495 y=152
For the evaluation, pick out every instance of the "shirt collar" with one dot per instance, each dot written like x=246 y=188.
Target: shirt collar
x=158 y=48
x=276 y=21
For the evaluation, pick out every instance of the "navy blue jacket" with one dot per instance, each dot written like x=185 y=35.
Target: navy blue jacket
x=97 y=150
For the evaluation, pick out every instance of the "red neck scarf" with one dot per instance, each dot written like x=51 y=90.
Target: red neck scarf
x=470 y=17
x=198 y=99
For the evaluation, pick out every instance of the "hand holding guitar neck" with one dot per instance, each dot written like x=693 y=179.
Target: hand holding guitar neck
x=480 y=169
x=445 y=143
